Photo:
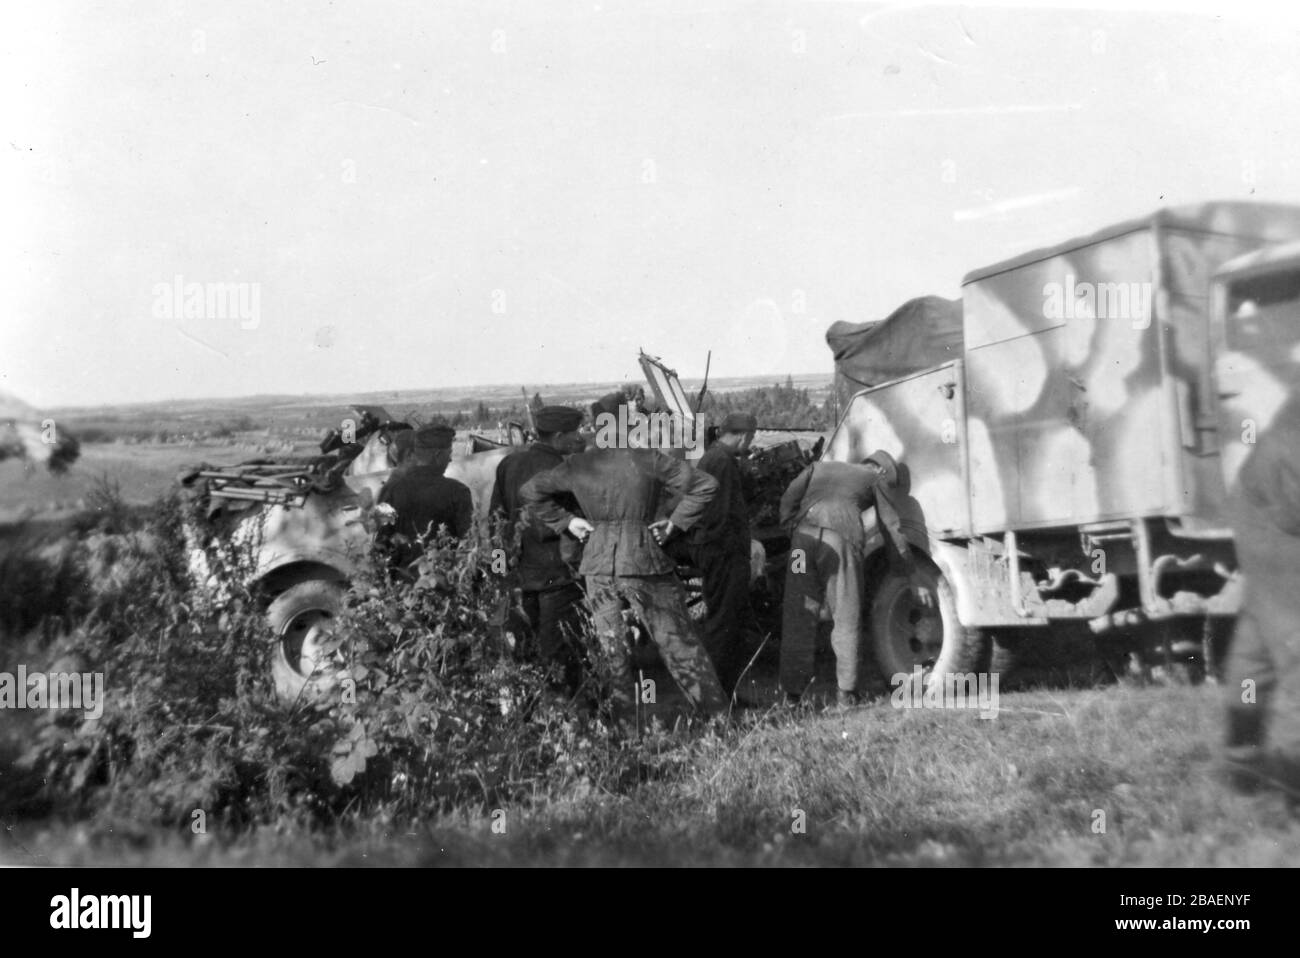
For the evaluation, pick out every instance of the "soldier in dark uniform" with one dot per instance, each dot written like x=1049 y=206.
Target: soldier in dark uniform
x=719 y=548
x=423 y=499
x=547 y=569
x=619 y=491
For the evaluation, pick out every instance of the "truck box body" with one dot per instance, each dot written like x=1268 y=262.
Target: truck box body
x=1084 y=394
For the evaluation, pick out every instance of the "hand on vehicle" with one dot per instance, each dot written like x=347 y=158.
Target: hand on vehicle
x=662 y=530
x=580 y=528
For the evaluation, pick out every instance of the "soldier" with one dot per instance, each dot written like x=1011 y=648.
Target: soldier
x=719 y=548
x=608 y=404
x=823 y=507
x=422 y=497
x=1264 y=506
x=552 y=597
x=619 y=491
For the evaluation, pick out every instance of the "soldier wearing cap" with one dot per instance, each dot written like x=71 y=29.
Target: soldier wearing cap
x=423 y=499
x=547 y=568
x=823 y=507
x=719 y=548
x=619 y=490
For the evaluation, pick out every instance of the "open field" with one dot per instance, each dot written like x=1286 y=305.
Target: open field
x=878 y=786
x=1075 y=770
x=141 y=447
x=307 y=417
x=143 y=471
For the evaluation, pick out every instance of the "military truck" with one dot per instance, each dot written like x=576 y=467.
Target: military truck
x=1058 y=426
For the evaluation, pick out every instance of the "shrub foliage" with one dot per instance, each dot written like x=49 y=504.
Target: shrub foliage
x=424 y=705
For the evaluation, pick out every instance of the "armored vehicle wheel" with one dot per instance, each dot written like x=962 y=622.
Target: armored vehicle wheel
x=906 y=634
x=299 y=619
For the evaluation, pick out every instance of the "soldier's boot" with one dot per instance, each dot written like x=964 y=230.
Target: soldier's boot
x=846 y=699
x=1244 y=762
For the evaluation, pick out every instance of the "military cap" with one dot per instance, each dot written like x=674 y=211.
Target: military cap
x=557 y=419
x=886 y=462
x=404 y=441
x=608 y=403
x=436 y=436
x=739 y=422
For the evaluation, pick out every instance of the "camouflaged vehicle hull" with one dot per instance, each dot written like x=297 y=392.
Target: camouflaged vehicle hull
x=321 y=537
x=1067 y=465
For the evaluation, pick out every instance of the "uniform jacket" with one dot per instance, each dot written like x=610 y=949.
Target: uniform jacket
x=619 y=491
x=422 y=495
x=833 y=495
x=542 y=551
x=725 y=523
x=1269 y=481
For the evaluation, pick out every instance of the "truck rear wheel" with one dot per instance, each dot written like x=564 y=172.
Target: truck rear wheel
x=906 y=635
x=1062 y=653
x=300 y=620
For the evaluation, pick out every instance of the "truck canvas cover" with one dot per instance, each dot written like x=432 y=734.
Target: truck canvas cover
x=921 y=333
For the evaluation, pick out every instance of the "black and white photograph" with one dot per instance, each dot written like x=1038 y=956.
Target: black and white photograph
x=700 y=433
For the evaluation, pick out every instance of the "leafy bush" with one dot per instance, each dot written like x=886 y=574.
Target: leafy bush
x=40 y=583
x=424 y=705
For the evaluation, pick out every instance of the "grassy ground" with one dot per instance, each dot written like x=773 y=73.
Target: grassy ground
x=1095 y=775
x=1120 y=776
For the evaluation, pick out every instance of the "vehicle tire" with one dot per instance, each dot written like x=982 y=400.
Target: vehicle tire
x=1061 y=654
x=905 y=634
x=299 y=619
x=1008 y=651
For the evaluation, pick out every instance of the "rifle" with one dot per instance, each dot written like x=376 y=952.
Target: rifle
x=699 y=401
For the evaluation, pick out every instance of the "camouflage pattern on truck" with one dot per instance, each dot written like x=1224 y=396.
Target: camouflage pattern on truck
x=1067 y=464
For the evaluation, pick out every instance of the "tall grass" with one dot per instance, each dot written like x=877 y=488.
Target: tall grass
x=436 y=745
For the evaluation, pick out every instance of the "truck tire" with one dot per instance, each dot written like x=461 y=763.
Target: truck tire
x=1060 y=654
x=299 y=620
x=1008 y=651
x=904 y=634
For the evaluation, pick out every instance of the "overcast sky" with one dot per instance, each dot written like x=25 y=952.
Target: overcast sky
x=430 y=195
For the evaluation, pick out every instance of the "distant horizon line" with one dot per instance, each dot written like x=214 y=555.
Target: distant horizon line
x=363 y=395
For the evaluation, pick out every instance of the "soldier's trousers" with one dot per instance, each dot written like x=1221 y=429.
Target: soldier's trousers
x=659 y=601
x=555 y=616
x=1264 y=659
x=824 y=570
x=730 y=617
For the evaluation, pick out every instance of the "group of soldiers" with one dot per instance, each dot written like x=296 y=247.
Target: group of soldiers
x=602 y=531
